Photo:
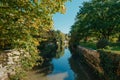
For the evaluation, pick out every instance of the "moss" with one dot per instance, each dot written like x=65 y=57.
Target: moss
x=109 y=64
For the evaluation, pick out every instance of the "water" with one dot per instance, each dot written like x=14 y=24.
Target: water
x=64 y=67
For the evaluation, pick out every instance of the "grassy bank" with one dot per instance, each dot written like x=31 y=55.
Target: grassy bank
x=112 y=47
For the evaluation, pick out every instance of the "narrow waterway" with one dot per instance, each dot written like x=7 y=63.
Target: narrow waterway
x=62 y=68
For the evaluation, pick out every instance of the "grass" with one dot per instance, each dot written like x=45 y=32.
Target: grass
x=88 y=45
x=112 y=51
x=113 y=47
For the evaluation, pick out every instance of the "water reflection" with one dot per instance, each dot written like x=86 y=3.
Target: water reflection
x=59 y=53
x=57 y=68
x=62 y=66
x=59 y=76
x=80 y=74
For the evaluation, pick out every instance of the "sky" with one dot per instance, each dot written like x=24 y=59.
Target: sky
x=63 y=22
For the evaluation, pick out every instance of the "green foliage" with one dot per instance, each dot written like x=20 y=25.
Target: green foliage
x=26 y=20
x=113 y=47
x=53 y=46
x=18 y=76
x=108 y=47
x=26 y=23
x=98 y=19
x=60 y=37
x=48 y=49
x=102 y=43
x=109 y=62
x=59 y=53
x=88 y=45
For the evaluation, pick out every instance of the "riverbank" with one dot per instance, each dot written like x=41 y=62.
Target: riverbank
x=66 y=67
x=105 y=64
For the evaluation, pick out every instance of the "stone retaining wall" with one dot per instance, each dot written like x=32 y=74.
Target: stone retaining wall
x=92 y=57
x=105 y=63
x=9 y=60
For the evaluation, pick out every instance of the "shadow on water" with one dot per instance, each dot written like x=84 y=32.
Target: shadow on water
x=45 y=69
x=62 y=69
x=62 y=66
x=80 y=74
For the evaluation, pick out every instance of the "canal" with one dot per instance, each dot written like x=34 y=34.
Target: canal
x=64 y=67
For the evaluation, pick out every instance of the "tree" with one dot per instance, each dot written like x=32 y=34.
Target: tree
x=98 y=18
x=23 y=23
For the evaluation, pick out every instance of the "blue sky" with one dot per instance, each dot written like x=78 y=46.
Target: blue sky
x=63 y=22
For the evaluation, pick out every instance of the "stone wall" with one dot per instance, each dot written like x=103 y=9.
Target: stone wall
x=92 y=57
x=9 y=61
x=105 y=63
x=110 y=63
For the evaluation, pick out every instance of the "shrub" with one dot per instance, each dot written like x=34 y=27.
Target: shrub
x=102 y=43
x=19 y=74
